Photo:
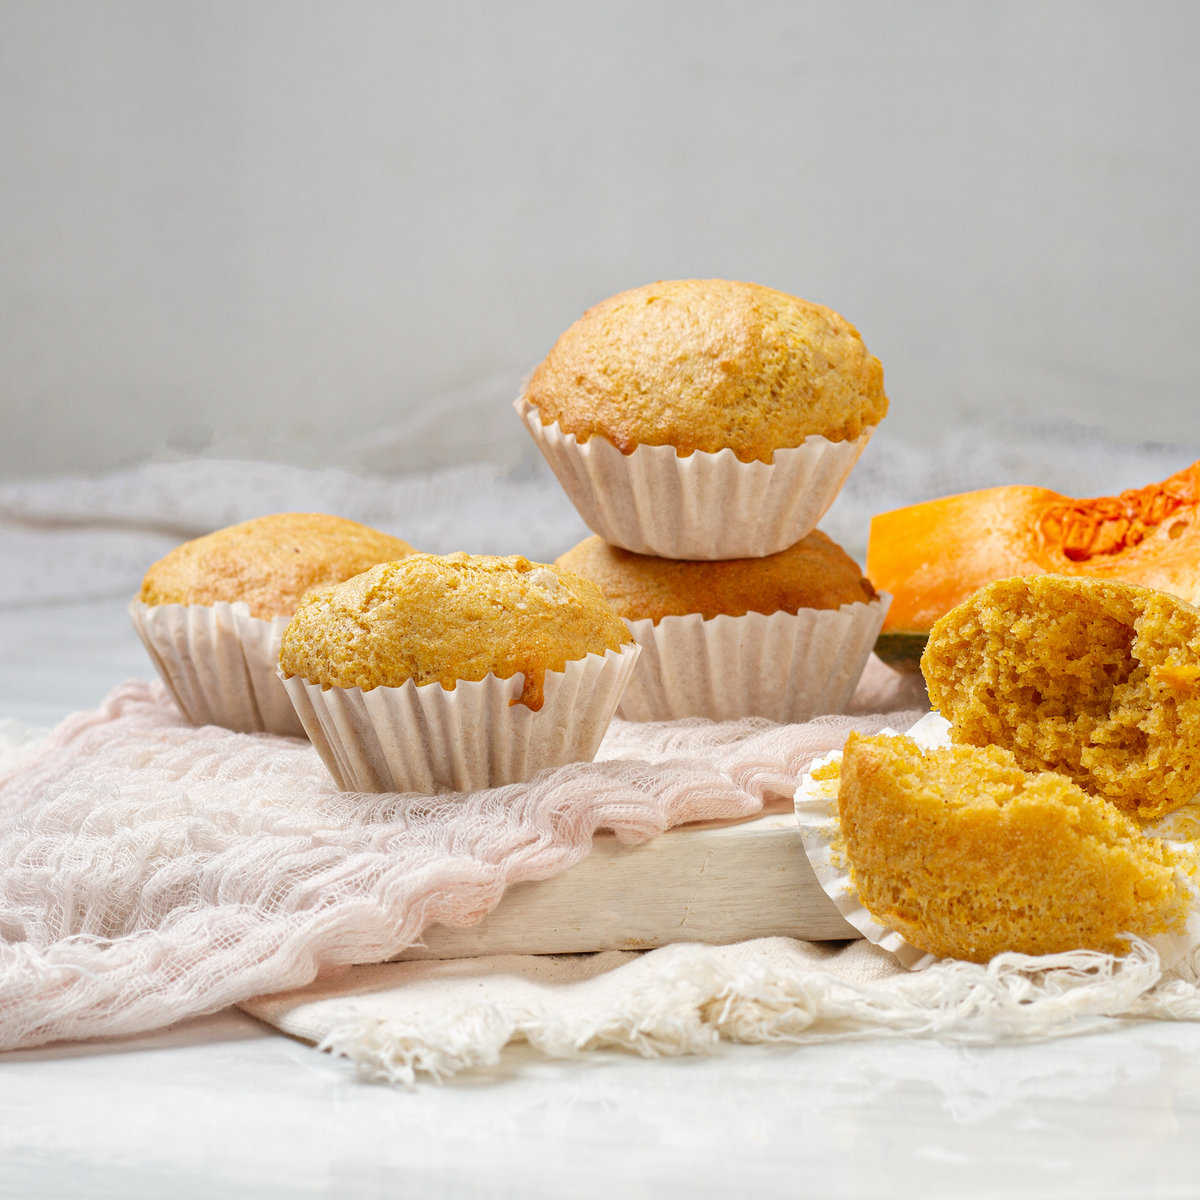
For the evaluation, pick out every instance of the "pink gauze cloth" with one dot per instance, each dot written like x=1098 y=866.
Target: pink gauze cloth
x=152 y=871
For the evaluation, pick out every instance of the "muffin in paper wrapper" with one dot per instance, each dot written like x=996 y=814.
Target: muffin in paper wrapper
x=820 y=830
x=785 y=666
x=424 y=738
x=220 y=664
x=702 y=505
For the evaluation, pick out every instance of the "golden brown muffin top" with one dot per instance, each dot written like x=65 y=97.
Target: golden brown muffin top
x=269 y=562
x=814 y=573
x=705 y=364
x=1095 y=679
x=967 y=855
x=435 y=619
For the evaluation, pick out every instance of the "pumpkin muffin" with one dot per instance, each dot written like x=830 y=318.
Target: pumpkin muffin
x=710 y=364
x=438 y=619
x=455 y=672
x=211 y=613
x=268 y=563
x=785 y=636
x=704 y=419
x=966 y=855
x=814 y=573
x=1095 y=679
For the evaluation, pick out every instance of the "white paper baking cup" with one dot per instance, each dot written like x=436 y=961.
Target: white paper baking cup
x=427 y=739
x=219 y=663
x=785 y=666
x=820 y=830
x=702 y=506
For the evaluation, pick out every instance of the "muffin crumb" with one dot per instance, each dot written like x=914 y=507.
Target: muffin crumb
x=967 y=855
x=1094 y=679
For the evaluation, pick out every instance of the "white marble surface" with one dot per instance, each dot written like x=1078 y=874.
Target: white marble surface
x=225 y=1106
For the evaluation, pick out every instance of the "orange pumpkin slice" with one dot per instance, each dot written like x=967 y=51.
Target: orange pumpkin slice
x=932 y=556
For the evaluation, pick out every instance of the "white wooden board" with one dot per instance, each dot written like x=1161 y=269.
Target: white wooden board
x=717 y=883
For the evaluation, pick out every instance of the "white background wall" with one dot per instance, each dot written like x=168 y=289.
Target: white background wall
x=342 y=231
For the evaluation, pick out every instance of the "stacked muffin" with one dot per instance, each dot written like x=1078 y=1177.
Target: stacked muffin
x=702 y=428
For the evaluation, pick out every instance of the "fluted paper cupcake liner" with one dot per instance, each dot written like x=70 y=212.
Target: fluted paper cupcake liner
x=701 y=506
x=427 y=739
x=820 y=830
x=785 y=666
x=220 y=664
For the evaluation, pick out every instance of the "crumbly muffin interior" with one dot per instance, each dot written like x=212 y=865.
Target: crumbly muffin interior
x=1097 y=680
x=440 y=619
x=967 y=855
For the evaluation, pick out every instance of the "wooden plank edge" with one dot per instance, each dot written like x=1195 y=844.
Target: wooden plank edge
x=715 y=884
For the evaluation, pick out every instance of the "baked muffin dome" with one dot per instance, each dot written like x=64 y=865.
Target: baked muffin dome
x=269 y=562
x=434 y=619
x=966 y=855
x=705 y=364
x=814 y=573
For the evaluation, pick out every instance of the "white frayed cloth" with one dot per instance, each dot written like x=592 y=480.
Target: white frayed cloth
x=398 y=1021
x=152 y=871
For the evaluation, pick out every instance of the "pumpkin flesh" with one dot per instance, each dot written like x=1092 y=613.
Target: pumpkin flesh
x=932 y=556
